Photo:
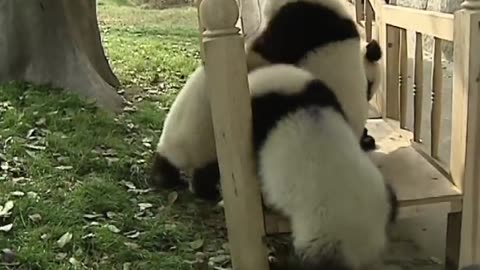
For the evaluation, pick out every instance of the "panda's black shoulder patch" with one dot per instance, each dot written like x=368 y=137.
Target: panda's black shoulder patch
x=269 y=108
x=301 y=27
x=373 y=52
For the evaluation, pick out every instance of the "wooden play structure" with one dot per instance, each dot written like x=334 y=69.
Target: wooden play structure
x=418 y=174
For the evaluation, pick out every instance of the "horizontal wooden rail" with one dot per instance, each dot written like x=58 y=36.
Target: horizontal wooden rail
x=436 y=24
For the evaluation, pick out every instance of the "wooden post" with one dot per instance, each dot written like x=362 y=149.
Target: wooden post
x=201 y=29
x=226 y=67
x=381 y=95
x=465 y=145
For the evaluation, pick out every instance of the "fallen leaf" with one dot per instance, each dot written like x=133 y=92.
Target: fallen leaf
x=64 y=168
x=17 y=193
x=91 y=216
x=172 y=197
x=35 y=217
x=197 y=244
x=74 y=261
x=6 y=228
x=90 y=235
x=220 y=259
x=126 y=266
x=132 y=234
x=60 y=256
x=35 y=147
x=5 y=210
x=41 y=121
x=144 y=206
x=129 y=185
x=65 y=239
x=111 y=214
x=131 y=245
x=32 y=195
x=113 y=228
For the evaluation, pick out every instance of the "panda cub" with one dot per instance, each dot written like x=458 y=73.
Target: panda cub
x=313 y=170
x=322 y=37
x=187 y=142
x=373 y=70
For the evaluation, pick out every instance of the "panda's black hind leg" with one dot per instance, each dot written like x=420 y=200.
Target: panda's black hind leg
x=393 y=201
x=164 y=174
x=367 y=142
x=205 y=182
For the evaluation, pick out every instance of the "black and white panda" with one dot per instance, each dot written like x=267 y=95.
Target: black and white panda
x=187 y=142
x=322 y=37
x=313 y=170
x=373 y=70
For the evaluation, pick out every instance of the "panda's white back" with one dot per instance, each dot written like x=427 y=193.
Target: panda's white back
x=312 y=169
x=343 y=70
x=187 y=138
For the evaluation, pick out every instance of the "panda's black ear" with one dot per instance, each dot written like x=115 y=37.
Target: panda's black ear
x=374 y=51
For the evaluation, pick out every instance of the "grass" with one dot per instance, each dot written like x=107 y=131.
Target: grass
x=76 y=176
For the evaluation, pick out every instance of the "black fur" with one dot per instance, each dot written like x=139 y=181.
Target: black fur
x=268 y=109
x=331 y=260
x=164 y=174
x=205 y=182
x=367 y=142
x=299 y=28
x=374 y=51
x=392 y=196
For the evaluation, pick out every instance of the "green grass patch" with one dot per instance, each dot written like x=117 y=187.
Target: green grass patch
x=77 y=176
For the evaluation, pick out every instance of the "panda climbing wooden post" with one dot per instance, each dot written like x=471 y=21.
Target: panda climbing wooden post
x=463 y=229
x=225 y=64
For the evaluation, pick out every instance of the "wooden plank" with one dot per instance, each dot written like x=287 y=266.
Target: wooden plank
x=436 y=24
x=380 y=98
x=403 y=78
x=225 y=64
x=369 y=15
x=466 y=116
x=359 y=8
x=200 y=30
x=415 y=179
x=437 y=99
x=392 y=70
x=418 y=89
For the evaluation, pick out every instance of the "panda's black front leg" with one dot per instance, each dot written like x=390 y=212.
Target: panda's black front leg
x=164 y=174
x=367 y=142
x=205 y=182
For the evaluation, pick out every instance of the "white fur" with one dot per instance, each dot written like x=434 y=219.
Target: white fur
x=339 y=65
x=373 y=70
x=187 y=139
x=313 y=170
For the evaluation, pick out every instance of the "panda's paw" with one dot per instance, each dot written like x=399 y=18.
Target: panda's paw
x=205 y=182
x=368 y=143
x=164 y=174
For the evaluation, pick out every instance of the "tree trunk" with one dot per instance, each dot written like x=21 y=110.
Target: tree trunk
x=56 y=42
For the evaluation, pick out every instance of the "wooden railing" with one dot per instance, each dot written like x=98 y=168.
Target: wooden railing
x=394 y=24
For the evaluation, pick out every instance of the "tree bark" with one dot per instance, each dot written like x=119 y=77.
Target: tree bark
x=57 y=42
